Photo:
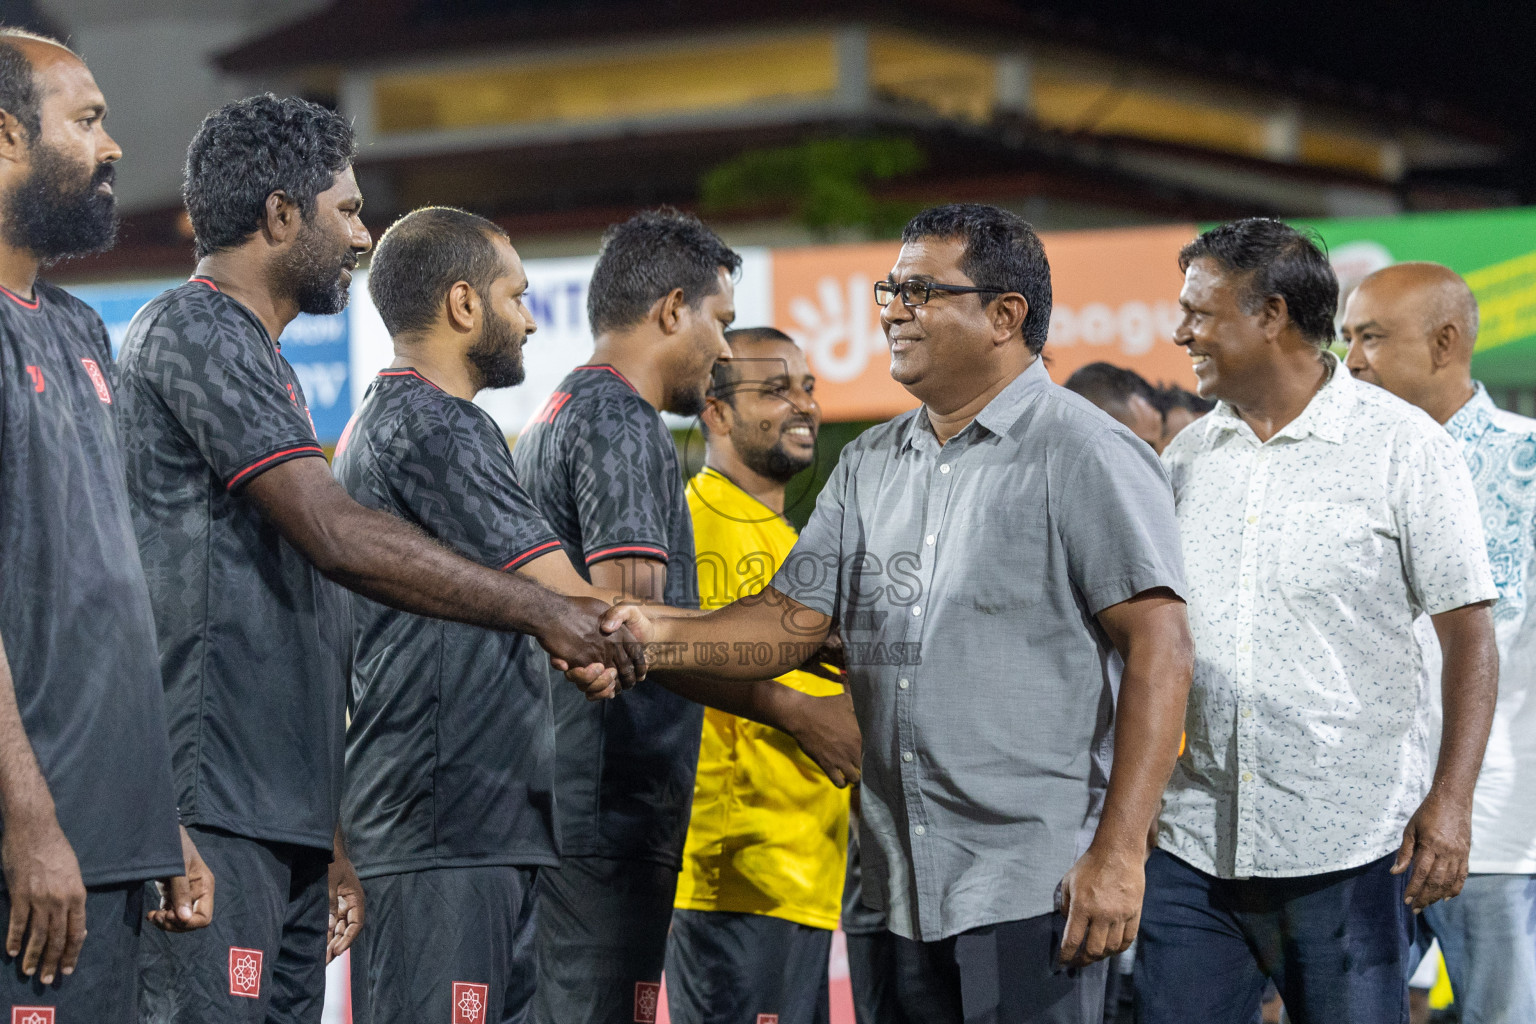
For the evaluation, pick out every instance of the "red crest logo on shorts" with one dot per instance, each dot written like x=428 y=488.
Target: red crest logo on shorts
x=767 y=1018
x=245 y=972
x=98 y=380
x=469 y=1002
x=31 y=1015
x=647 y=995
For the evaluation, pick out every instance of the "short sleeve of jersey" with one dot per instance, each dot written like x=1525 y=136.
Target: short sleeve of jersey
x=1445 y=556
x=222 y=380
x=451 y=470
x=1130 y=544
x=623 y=510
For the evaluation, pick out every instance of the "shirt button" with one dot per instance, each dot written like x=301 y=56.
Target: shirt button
x=928 y=540
x=906 y=755
x=917 y=609
x=903 y=683
x=944 y=468
x=920 y=830
x=1245 y=647
x=1247 y=776
x=1253 y=519
x=1247 y=712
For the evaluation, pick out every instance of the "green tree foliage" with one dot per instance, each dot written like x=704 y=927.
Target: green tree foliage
x=827 y=183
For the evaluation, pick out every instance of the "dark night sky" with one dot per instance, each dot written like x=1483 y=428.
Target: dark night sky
x=1477 y=55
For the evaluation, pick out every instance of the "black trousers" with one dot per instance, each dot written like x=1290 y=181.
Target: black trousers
x=103 y=989
x=1000 y=974
x=872 y=976
x=602 y=940
x=729 y=968
x=446 y=944
x=262 y=960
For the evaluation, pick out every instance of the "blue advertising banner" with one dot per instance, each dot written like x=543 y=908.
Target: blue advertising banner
x=316 y=346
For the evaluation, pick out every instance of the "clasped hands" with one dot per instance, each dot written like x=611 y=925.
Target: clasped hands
x=605 y=654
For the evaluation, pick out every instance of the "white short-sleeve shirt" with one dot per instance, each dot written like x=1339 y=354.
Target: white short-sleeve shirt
x=1308 y=558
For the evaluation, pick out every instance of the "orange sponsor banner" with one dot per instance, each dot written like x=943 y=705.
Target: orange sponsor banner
x=1115 y=299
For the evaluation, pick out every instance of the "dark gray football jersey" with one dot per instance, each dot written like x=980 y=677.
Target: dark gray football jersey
x=451 y=749
x=74 y=610
x=601 y=466
x=254 y=643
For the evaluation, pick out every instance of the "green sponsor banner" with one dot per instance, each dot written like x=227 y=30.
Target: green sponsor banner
x=1495 y=250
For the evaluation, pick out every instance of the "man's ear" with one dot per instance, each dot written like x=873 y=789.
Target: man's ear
x=463 y=306
x=14 y=143
x=670 y=311
x=1009 y=311
x=717 y=416
x=1274 y=316
x=1445 y=345
x=281 y=218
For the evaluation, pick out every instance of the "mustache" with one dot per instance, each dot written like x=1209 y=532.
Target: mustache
x=106 y=174
x=799 y=421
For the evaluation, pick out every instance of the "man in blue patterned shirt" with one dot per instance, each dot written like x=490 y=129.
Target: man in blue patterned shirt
x=1411 y=329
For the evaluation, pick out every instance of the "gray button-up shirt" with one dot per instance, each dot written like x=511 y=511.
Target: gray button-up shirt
x=966 y=579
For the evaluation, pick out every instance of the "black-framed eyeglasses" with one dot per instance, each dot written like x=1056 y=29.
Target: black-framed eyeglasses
x=915 y=293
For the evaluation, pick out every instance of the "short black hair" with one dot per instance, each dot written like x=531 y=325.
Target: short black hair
x=723 y=378
x=1276 y=259
x=647 y=256
x=422 y=255
x=1002 y=251
x=246 y=150
x=19 y=95
x=1169 y=397
x=1105 y=384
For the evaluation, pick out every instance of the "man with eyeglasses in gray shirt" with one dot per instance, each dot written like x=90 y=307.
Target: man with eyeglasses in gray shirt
x=1004 y=566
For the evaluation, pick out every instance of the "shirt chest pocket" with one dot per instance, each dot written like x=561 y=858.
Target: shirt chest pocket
x=996 y=559
x=1326 y=547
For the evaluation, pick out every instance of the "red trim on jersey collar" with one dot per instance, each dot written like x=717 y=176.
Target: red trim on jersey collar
x=405 y=372
x=616 y=373
x=25 y=303
x=203 y=280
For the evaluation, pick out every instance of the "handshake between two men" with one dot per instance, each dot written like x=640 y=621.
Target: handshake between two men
x=761 y=637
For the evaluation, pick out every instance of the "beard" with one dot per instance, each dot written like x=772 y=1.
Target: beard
x=56 y=211
x=682 y=400
x=311 y=273
x=775 y=463
x=498 y=356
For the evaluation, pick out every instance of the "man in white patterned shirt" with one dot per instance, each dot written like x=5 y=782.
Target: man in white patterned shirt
x=1319 y=517
x=1411 y=329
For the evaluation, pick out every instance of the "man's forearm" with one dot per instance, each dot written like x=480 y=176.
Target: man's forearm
x=23 y=790
x=389 y=560
x=1469 y=684
x=751 y=639
x=385 y=559
x=761 y=700
x=1149 y=716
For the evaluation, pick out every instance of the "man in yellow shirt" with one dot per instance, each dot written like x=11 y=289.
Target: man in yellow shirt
x=762 y=878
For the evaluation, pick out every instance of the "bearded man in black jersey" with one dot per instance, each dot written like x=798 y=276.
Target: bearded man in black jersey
x=85 y=787
x=244 y=534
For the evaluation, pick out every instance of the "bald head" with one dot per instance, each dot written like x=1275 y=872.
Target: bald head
x=1411 y=329
x=25 y=57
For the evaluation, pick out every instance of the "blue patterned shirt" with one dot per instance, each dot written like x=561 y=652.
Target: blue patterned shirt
x=1500 y=450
